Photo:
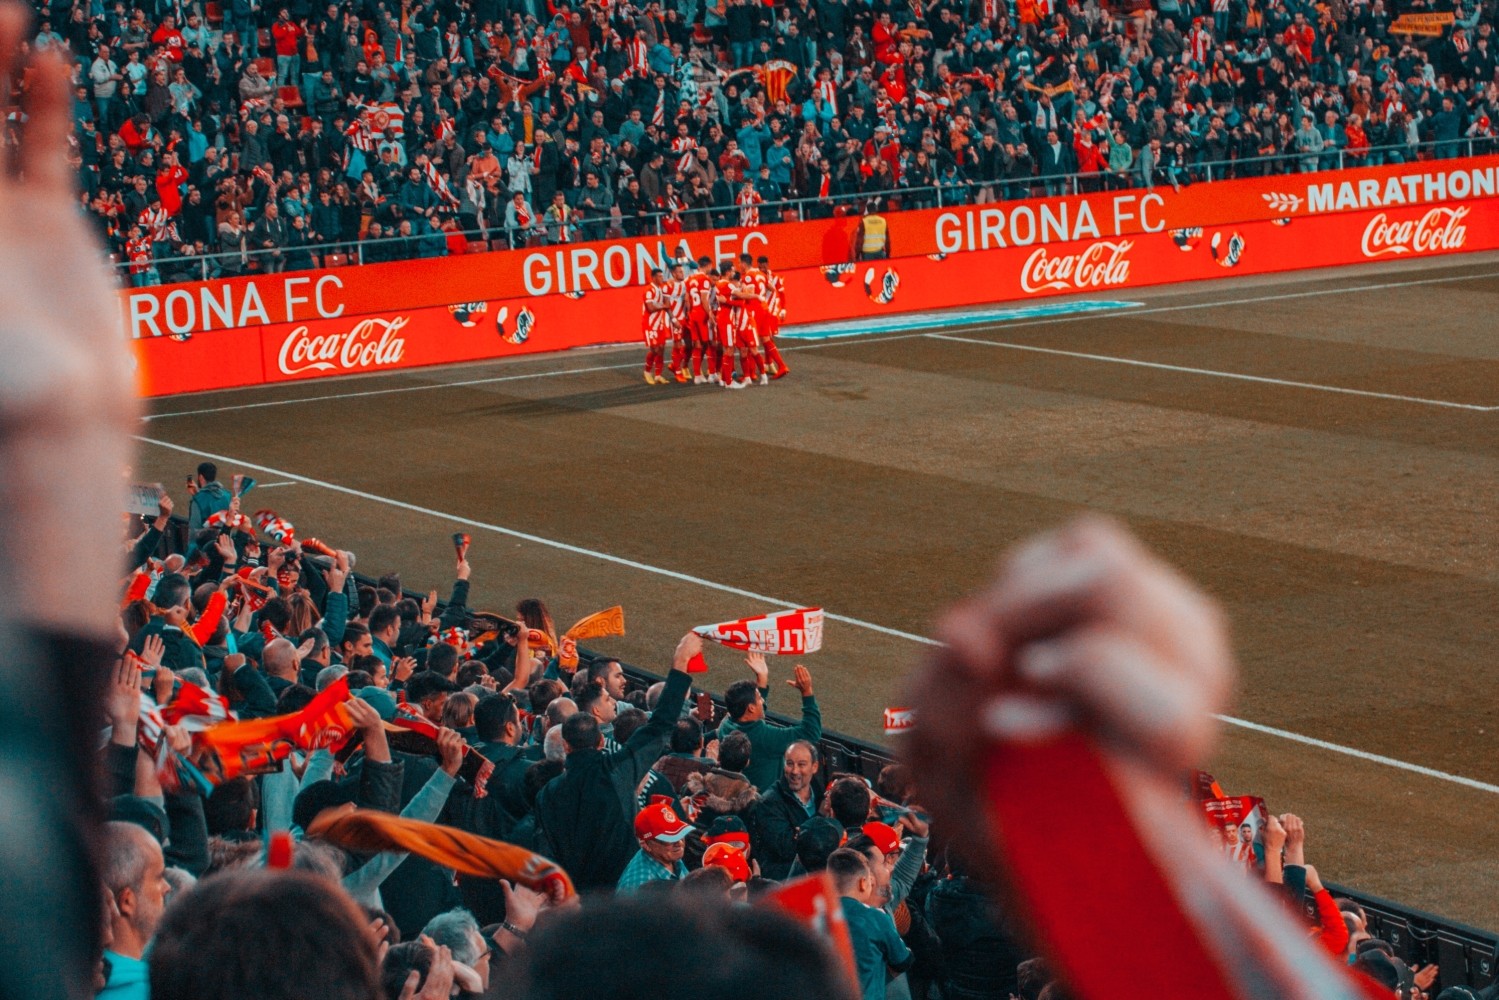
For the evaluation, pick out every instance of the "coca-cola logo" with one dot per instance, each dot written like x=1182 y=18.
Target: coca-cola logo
x=1439 y=230
x=371 y=344
x=1103 y=263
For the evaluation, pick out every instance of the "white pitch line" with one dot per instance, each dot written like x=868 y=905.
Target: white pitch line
x=1373 y=758
x=271 y=486
x=1239 y=376
x=383 y=392
x=535 y=539
x=777 y=602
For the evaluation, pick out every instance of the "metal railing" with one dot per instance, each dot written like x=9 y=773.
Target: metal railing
x=965 y=192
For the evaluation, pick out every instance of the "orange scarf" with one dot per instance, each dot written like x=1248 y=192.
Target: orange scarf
x=366 y=831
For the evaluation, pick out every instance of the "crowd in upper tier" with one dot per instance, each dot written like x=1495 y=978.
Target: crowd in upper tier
x=270 y=135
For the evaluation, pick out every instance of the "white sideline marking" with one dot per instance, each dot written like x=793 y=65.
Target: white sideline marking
x=1215 y=374
x=1374 y=758
x=536 y=539
x=271 y=486
x=777 y=602
x=385 y=392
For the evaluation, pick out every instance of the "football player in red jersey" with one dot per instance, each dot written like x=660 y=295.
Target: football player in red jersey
x=655 y=322
x=699 y=326
x=740 y=333
x=677 y=290
x=723 y=334
x=775 y=315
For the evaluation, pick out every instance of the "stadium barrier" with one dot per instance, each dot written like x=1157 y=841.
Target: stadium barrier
x=383 y=317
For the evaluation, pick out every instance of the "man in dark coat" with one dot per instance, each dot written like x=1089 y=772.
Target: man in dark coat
x=584 y=816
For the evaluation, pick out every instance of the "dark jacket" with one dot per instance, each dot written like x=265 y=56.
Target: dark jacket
x=585 y=816
x=978 y=954
x=181 y=650
x=773 y=826
x=419 y=889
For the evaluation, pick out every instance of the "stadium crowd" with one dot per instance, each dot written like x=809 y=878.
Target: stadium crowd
x=138 y=862
x=683 y=811
x=269 y=132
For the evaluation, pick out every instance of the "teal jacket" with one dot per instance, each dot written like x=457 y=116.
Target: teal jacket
x=768 y=741
x=129 y=979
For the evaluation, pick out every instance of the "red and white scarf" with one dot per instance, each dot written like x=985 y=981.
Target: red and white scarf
x=639 y=66
x=749 y=201
x=784 y=633
x=684 y=145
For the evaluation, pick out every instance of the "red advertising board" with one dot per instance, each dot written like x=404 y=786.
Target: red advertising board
x=401 y=327
x=200 y=307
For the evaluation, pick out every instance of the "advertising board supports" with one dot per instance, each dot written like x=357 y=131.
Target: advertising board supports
x=253 y=330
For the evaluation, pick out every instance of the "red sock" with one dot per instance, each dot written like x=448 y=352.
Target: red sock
x=676 y=356
x=751 y=365
x=726 y=367
x=773 y=355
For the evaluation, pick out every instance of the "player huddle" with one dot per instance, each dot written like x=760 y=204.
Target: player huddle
x=709 y=317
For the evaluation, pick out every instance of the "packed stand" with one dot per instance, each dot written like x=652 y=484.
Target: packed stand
x=479 y=739
x=270 y=136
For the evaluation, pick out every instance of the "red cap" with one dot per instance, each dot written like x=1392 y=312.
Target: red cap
x=883 y=835
x=660 y=823
x=728 y=857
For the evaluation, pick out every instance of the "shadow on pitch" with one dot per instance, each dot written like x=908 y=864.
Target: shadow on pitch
x=591 y=402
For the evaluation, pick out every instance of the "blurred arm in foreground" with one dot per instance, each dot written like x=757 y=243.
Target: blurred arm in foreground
x=1096 y=670
x=66 y=408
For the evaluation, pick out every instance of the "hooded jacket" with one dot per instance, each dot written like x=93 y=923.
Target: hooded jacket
x=209 y=500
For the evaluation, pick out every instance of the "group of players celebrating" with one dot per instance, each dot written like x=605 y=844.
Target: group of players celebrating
x=708 y=316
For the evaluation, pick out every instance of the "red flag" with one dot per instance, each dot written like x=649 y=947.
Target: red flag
x=409 y=732
x=1218 y=937
x=898 y=720
x=785 y=633
x=279 y=528
x=814 y=901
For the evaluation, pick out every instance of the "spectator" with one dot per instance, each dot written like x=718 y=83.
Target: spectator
x=745 y=701
x=794 y=798
x=134 y=877
x=583 y=817
x=660 y=834
x=877 y=946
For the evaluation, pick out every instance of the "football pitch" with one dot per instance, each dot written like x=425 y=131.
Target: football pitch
x=1321 y=453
